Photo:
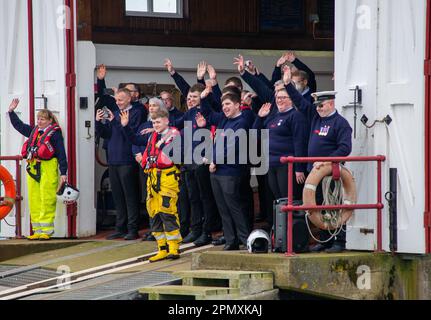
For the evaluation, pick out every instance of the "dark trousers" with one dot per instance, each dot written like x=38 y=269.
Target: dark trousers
x=324 y=235
x=229 y=202
x=246 y=194
x=196 y=216
x=184 y=207
x=125 y=191
x=211 y=216
x=277 y=179
x=266 y=199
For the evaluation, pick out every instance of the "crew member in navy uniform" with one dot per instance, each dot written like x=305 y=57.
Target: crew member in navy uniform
x=330 y=136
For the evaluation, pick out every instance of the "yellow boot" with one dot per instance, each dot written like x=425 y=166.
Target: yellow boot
x=163 y=252
x=173 y=250
x=34 y=237
x=44 y=237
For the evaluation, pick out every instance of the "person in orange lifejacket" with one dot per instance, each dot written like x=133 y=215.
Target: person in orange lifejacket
x=45 y=153
x=162 y=183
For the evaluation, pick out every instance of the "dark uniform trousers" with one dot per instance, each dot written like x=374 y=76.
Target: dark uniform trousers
x=204 y=215
x=235 y=219
x=277 y=179
x=184 y=206
x=125 y=191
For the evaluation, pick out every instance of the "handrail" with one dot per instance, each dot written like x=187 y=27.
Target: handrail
x=19 y=198
x=290 y=207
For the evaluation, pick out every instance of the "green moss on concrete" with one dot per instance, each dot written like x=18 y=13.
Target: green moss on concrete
x=17 y=248
x=29 y=253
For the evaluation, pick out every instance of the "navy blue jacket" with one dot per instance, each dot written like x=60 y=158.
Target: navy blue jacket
x=119 y=146
x=141 y=148
x=230 y=147
x=56 y=140
x=288 y=136
x=174 y=114
x=330 y=136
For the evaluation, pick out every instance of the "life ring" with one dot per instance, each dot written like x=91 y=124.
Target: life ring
x=309 y=195
x=10 y=192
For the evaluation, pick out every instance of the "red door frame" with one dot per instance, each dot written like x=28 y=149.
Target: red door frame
x=427 y=69
x=72 y=210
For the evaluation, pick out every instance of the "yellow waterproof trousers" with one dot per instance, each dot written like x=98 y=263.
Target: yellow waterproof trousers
x=43 y=196
x=162 y=197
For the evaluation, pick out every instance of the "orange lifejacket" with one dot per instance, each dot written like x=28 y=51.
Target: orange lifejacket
x=154 y=157
x=41 y=148
x=10 y=192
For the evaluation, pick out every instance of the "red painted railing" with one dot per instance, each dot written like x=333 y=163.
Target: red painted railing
x=290 y=207
x=19 y=198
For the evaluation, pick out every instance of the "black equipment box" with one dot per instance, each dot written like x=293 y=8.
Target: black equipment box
x=301 y=235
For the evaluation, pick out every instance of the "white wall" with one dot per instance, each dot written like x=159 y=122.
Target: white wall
x=14 y=79
x=380 y=46
x=49 y=61
x=86 y=62
x=145 y=64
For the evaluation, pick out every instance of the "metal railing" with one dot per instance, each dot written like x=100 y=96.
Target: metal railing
x=19 y=198
x=290 y=207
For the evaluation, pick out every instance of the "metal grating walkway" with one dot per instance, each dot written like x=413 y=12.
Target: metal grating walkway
x=25 y=277
x=118 y=289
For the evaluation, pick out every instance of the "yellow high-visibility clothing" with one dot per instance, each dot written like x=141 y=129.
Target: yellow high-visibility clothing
x=43 y=197
x=162 y=196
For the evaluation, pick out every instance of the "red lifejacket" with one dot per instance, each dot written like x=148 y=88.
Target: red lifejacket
x=154 y=157
x=41 y=148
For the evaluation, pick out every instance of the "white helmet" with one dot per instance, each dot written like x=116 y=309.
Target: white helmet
x=258 y=242
x=68 y=193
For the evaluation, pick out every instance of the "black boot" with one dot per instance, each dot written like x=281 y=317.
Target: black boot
x=203 y=240
x=191 y=237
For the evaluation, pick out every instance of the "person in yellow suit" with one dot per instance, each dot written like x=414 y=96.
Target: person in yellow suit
x=162 y=183
x=45 y=153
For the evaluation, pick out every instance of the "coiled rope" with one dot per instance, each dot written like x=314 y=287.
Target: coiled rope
x=332 y=217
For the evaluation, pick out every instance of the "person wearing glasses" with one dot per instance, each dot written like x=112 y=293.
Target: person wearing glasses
x=168 y=99
x=287 y=137
x=330 y=136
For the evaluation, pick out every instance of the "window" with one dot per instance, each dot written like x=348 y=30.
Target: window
x=155 y=8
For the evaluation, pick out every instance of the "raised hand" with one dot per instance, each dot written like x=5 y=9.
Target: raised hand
x=265 y=110
x=13 y=105
x=201 y=70
x=251 y=67
x=124 y=116
x=101 y=72
x=247 y=99
x=282 y=60
x=287 y=75
x=239 y=62
x=206 y=92
x=212 y=72
x=169 y=66
x=200 y=120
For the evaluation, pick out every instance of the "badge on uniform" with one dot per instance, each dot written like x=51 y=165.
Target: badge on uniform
x=324 y=131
